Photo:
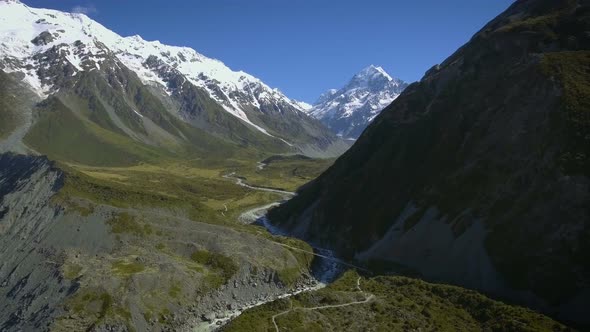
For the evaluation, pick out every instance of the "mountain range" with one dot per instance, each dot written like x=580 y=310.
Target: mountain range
x=349 y=110
x=146 y=187
x=141 y=92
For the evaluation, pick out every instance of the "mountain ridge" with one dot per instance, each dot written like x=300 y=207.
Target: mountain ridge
x=48 y=48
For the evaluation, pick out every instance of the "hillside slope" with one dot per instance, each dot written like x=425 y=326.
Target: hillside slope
x=479 y=173
x=138 y=248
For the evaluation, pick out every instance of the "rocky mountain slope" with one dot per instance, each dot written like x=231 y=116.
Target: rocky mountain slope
x=349 y=111
x=479 y=174
x=83 y=253
x=149 y=93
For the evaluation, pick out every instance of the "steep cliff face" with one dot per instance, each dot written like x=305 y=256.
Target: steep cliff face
x=28 y=272
x=479 y=173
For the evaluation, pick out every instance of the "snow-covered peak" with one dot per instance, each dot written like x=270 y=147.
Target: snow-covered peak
x=372 y=72
x=372 y=78
x=26 y=32
x=325 y=96
x=349 y=110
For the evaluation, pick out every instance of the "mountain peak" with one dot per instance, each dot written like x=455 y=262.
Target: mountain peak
x=372 y=72
x=372 y=77
x=349 y=110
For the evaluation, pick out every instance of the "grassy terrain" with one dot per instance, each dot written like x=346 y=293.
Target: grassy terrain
x=199 y=193
x=571 y=69
x=192 y=188
x=400 y=304
x=224 y=267
x=285 y=172
x=63 y=135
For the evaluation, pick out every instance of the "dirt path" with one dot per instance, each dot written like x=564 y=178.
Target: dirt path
x=368 y=299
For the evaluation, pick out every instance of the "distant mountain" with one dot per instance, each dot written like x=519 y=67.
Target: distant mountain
x=349 y=110
x=148 y=92
x=479 y=174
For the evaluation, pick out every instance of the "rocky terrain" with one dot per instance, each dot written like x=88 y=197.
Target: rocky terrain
x=27 y=220
x=72 y=263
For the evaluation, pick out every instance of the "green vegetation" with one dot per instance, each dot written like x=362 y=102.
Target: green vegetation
x=541 y=23
x=400 y=304
x=58 y=126
x=175 y=291
x=302 y=253
x=285 y=172
x=72 y=271
x=123 y=268
x=572 y=68
x=85 y=299
x=303 y=256
x=94 y=305
x=544 y=23
x=198 y=191
x=224 y=266
x=289 y=275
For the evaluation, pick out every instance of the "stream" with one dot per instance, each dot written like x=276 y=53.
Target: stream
x=325 y=267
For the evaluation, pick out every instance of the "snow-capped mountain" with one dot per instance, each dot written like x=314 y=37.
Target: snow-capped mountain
x=48 y=48
x=349 y=111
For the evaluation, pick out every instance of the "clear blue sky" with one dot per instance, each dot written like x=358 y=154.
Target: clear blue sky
x=303 y=47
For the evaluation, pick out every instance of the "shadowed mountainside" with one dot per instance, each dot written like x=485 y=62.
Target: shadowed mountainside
x=479 y=173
